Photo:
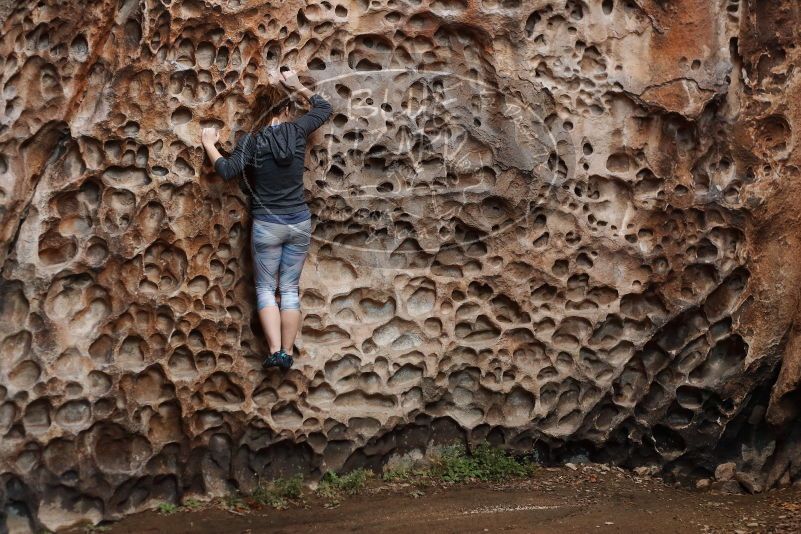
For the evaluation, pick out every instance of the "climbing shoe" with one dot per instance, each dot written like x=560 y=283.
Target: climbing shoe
x=273 y=360
x=285 y=361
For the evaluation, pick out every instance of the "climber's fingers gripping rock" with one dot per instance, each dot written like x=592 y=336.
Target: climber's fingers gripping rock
x=290 y=78
x=209 y=136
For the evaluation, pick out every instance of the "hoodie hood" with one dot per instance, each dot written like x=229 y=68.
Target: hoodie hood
x=282 y=139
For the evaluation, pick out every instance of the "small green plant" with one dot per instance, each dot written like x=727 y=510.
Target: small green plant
x=235 y=502
x=279 y=492
x=398 y=475
x=291 y=488
x=394 y=475
x=88 y=529
x=192 y=504
x=407 y=474
x=454 y=464
x=167 y=508
x=487 y=463
x=333 y=486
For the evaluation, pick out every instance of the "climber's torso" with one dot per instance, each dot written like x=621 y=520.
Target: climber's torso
x=278 y=189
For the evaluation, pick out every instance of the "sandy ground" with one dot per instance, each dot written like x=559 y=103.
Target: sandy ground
x=589 y=499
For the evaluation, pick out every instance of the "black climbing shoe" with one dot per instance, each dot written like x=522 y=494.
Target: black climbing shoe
x=273 y=360
x=285 y=361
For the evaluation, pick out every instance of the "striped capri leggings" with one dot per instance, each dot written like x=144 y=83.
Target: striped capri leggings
x=279 y=250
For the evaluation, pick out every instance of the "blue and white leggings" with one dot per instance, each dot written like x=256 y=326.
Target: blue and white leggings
x=279 y=250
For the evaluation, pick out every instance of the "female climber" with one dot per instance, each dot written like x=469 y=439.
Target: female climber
x=273 y=155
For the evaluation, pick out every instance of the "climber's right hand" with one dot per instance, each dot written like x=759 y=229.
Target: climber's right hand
x=209 y=136
x=290 y=78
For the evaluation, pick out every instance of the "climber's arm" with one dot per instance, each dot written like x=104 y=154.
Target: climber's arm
x=321 y=108
x=316 y=116
x=234 y=164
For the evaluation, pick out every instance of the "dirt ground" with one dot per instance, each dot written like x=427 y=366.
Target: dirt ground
x=591 y=498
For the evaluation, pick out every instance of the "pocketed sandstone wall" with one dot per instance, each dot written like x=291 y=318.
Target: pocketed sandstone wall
x=563 y=226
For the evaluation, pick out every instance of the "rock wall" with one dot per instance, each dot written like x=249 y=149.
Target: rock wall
x=562 y=226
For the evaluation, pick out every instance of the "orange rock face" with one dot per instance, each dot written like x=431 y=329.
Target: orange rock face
x=567 y=226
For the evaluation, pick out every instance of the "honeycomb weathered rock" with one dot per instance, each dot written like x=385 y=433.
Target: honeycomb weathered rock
x=556 y=224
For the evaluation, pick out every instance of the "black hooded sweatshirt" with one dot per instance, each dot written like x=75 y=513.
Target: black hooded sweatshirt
x=274 y=158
